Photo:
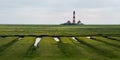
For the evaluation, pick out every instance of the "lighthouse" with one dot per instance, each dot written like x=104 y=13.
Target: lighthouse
x=74 y=17
x=73 y=22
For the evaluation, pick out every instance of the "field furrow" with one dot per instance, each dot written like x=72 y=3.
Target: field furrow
x=100 y=47
x=7 y=40
x=107 y=41
x=88 y=51
x=6 y=43
x=115 y=38
x=68 y=48
x=21 y=48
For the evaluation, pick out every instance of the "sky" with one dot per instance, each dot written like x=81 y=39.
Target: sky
x=59 y=11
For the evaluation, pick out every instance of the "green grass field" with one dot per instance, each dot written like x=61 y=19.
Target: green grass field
x=103 y=44
x=59 y=30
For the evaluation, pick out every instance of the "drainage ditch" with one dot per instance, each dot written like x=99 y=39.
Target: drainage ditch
x=74 y=38
x=56 y=39
x=37 y=40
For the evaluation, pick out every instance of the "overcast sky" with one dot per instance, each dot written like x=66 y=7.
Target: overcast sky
x=59 y=11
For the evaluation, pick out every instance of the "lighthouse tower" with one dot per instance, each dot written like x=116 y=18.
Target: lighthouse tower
x=74 y=22
x=73 y=17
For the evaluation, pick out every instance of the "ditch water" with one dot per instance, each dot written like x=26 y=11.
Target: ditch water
x=37 y=40
x=20 y=38
x=74 y=38
x=56 y=39
x=88 y=37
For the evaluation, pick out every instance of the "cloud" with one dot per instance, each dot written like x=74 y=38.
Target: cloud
x=59 y=11
x=100 y=16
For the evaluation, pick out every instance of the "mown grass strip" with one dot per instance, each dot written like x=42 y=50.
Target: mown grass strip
x=6 y=43
x=89 y=52
x=101 y=48
x=6 y=40
x=107 y=41
x=70 y=49
x=114 y=38
x=48 y=47
x=22 y=48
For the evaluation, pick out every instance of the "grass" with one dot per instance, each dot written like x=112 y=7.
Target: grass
x=100 y=47
x=4 y=41
x=114 y=43
x=68 y=48
x=104 y=44
x=114 y=38
x=48 y=47
x=18 y=49
x=59 y=30
x=65 y=49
